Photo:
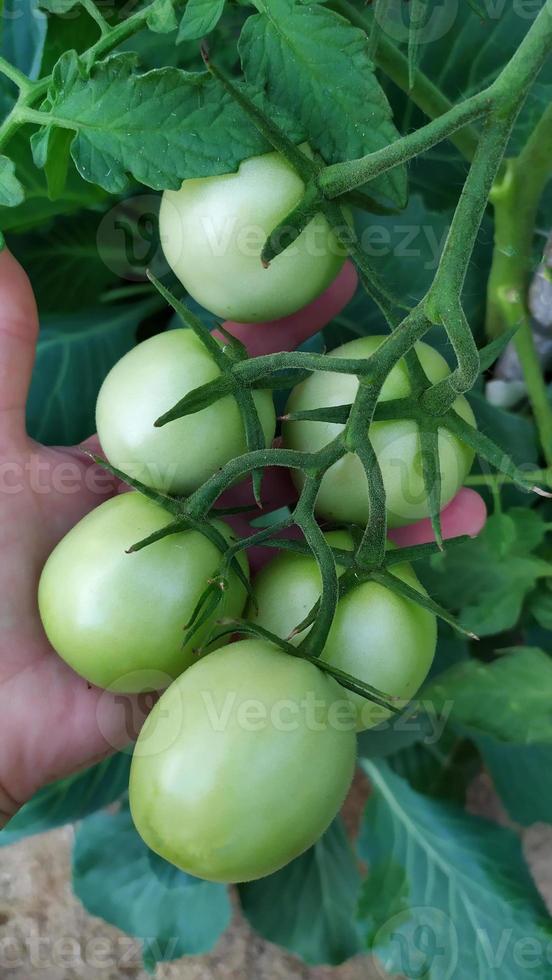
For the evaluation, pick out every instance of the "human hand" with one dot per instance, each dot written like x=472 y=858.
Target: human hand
x=53 y=722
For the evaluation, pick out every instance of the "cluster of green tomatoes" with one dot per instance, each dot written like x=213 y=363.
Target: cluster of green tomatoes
x=249 y=752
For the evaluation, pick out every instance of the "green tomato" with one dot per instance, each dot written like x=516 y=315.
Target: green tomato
x=213 y=230
x=148 y=381
x=118 y=619
x=377 y=636
x=243 y=763
x=343 y=495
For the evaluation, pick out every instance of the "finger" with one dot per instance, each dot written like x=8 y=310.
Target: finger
x=18 y=333
x=466 y=514
x=291 y=331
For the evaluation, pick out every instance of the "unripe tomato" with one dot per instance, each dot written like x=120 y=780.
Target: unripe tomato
x=343 y=495
x=146 y=383
x=377 y=636
x=243 y=763
x=213 y=231
x=117 y=618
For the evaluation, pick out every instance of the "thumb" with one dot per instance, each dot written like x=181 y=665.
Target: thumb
x=18 y=333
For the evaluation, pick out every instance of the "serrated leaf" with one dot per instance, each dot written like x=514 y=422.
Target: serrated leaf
x=505 y=709
x=11 y=190
x=510 y=698
x=308 y=906
x=200 y=18
x=118 y=878
x=455 y=898
x=488 y=578
x=161 y=17
x=38 y=208
x=337 y=97
x=70 y=799
x=160 y=127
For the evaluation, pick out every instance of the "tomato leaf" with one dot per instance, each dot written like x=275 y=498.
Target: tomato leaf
x=38 y=208
x=448 y=894
x=504 y=708
x=173 y=913
x=277 y=44
x=160 y=127
x=70 y=799
x=162 y=18
x=308 y=906
x=200 y=18
x=11 y=190
x=488 y=578
x=75 y=352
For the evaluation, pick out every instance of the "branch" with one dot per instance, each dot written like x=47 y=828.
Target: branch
x=342 y=177
x=516 y=200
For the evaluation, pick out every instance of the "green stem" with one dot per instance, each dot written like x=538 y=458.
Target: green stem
x=342 y=177
x=96 y=15
x=23 y=83
x=423 y=92
x=487 y=479
x=44 y=118
x=516 y=199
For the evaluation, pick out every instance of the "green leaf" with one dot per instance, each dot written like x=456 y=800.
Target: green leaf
x=443 y=769
x=519 y=774
x=504 y=708
x=118 y=878
x=200 y=18
x=308 y=906
x=66 y=265
x=161 y=127
x=488 y=578
x=11 y=190
x=38 y=208
x=510 y=698
x=70 y=799
x=448 y=894
x=161 y=17
x=491 y=352
x=541 y=605
x=314 y=64
x=75 y=352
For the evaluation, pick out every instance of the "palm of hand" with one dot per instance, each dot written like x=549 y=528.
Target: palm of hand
x=53 y=722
